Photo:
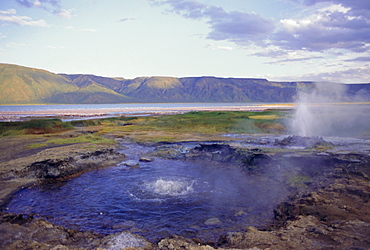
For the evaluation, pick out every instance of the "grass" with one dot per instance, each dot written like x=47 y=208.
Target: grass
x=264 y=117
x=35 y=126
x=208 y=122
x=36 y=145
x=82 y=139
x=152 y=128
x=50 y=129
x=86 y=139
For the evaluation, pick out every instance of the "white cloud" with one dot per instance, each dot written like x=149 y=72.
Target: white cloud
x=37 y=3
x=338 y=25
x=351 y=75
x=10 y=16
x=323 y=25
x=335 y=8
x=66 y=14
x=235 y=26
x=228 y=48
x=219 y=47
x=282 y=57
x=8 y=12
x=51 y=6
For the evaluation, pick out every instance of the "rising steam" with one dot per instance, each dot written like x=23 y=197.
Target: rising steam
x=328 y=110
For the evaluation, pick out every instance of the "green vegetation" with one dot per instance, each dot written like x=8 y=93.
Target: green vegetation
x=205 y=122
x=26 y=85
x=36 y=126
x=82 y=139
x=86 y=123
x=36 y=145
x=263 y=117
x=150 y=128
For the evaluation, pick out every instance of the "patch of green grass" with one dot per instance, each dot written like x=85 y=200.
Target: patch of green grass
x=202 y=123
x=215 y=122
x=95 y=139
x=162 y=139
x=86 y=123
x=36 y=145
x=264 y=117
x=12 y=132
x=35 y=126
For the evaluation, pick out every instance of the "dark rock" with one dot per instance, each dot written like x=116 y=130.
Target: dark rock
x=20 y=232
x=52 y=168
x=19 y=219
x=60 y=168
x=301 y=141
x=211 y=152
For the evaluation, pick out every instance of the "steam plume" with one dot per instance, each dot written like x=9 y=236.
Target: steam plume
x=321 y=111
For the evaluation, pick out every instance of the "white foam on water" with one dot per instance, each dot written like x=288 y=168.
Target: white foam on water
x=170 y=187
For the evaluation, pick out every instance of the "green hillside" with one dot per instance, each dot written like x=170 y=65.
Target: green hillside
x=22 y=85
x=27 y=85
x=93 y=93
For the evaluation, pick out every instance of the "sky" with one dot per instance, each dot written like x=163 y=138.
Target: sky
x=279 y=40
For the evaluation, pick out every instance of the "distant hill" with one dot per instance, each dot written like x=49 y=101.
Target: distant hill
x=27 y=85
x=22 y=85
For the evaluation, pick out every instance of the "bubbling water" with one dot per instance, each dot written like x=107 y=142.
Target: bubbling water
x=161 y=198
x=170 y=187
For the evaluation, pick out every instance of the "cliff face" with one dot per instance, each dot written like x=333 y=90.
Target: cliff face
x=28 y=86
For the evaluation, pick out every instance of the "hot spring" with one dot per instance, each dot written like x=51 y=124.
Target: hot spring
x=162 y=197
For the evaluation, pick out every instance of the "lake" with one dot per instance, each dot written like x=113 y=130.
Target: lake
x=68 y=111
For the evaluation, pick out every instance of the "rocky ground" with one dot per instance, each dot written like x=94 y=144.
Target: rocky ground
x=328 y=208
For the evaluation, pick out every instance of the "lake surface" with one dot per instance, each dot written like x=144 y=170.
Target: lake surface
x=113 y=107
x=88 y=111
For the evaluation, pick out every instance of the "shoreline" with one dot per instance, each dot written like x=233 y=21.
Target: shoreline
x=8 y=116
x=114 y=112
x=106 y=111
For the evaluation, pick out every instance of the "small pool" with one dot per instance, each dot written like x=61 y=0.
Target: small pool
x=160 y=198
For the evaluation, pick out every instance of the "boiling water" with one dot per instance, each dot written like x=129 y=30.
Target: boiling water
x=160 y=198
